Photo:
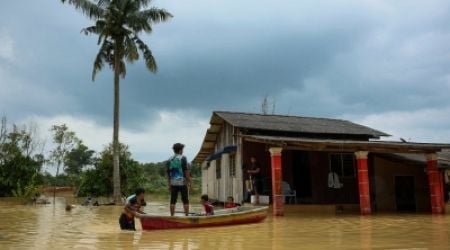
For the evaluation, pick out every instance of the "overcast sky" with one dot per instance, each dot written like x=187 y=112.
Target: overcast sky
x=385 y=64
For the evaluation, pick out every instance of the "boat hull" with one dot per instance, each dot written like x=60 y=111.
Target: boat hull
x=154 y=222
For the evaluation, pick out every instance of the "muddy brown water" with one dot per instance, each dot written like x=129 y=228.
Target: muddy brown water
x=51 y=227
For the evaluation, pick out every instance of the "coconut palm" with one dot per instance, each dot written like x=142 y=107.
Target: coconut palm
x=118 y=24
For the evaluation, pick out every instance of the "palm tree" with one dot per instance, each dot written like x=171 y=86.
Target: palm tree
x=118 y=24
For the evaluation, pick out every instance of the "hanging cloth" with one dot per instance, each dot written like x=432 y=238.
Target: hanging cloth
x=333 y=181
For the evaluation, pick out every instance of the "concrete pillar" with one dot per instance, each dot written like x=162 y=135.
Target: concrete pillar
x=277 y=181
x=435 y=181
x=363 y=182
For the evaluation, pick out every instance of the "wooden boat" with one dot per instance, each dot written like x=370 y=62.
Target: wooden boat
x=235 y=216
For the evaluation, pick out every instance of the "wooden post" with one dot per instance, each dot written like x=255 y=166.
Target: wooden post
x=225 y=168
x=277 y=182
x=435 y=181
x=363 y=182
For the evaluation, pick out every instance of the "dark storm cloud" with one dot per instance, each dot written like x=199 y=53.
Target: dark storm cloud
x=321 y=58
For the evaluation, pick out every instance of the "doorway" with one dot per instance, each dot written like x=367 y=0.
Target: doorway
x=302 y=176
x=405 y=196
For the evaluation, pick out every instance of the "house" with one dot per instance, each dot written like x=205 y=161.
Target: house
x=376 y=175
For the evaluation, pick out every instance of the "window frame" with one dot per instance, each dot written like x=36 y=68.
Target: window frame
x=343 y=165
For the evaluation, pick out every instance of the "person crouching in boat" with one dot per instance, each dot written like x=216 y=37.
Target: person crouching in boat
x=230 y=203
x=207 y=206
x=132 y=209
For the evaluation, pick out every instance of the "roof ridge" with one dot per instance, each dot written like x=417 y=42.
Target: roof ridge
x=279 y=115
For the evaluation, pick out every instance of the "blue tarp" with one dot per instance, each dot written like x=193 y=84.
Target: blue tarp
x=218 y=153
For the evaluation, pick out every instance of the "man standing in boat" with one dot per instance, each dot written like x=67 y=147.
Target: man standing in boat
x=179 y=178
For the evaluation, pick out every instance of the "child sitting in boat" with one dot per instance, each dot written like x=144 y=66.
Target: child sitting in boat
x=209 y=209
x=132 y=209
x=230 y=203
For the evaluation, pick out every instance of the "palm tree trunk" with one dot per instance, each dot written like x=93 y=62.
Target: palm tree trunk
x=116 y=166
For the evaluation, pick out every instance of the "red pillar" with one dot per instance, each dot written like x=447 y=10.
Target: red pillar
x=277 y=180
x=435 y=181
x=363 y=182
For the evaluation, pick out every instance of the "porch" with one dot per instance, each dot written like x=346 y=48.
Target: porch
x=369 y=180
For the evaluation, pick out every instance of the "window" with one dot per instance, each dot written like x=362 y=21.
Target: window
x=218 y=169
x=232 y=166
x=343 y=164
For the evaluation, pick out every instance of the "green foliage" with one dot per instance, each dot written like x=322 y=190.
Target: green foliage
x=30 y=190
x=64 y=140
x=118 y=25
x=19 y=162
x=98 y=181
x=21 y=176
x=94 y=182
x=196 y=171
x=78 y=158
x=151 y=176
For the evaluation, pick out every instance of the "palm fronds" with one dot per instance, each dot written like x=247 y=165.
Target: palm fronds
x=150 y=61
x=87 y=7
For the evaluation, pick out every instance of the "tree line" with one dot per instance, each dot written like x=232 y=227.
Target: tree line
x=90 y=173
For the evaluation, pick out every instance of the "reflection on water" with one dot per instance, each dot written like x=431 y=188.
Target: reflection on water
x=48 y=227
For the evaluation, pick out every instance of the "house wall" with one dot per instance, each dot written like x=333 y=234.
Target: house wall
x=384 y=174
x=211 y=177
x=204 y=178
x=321 y=193
x=227 y=185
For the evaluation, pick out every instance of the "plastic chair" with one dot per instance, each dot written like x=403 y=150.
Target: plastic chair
x=289 y=193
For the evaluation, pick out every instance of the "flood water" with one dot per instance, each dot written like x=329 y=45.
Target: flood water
x=51 y=227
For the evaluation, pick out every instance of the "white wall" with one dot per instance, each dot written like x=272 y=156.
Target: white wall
x=204 y=178
x=226 y=185
x=211 y=186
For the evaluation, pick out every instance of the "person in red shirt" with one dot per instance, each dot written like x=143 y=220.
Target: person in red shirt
x=209 y=209
x=230 y=203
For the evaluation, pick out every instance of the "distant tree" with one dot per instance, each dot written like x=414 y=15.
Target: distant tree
x=99 y=180
x=76 y=159
x=118 y=24
x=64 y=141
x=20 y=161
x=196 y=170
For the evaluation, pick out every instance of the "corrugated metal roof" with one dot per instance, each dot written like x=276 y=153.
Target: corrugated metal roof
x=348 y=145
x=297 y=124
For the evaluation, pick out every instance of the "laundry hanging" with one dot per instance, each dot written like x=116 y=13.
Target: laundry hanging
x=333 y=181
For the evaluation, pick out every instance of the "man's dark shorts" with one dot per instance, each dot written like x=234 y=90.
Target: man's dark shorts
x=126 y=224
x=174 y=190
